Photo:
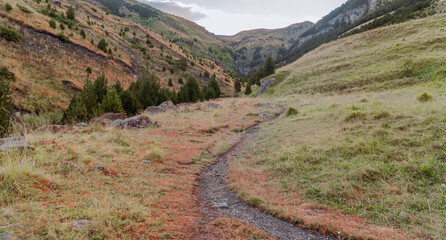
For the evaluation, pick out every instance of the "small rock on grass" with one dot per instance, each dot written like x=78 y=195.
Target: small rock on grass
x=221 y=205
x=5 y=236
x=82 y=124
x=146 y=161
x=404 y=215
x=82 y=223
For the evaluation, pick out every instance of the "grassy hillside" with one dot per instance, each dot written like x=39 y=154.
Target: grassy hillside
x=253 y=46
x=362 y=153
x=195 y=39
x=50 y=63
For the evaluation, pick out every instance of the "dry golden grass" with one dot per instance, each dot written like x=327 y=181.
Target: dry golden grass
x=98 y=174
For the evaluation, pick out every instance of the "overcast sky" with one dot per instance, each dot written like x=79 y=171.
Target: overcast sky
x=228 y=17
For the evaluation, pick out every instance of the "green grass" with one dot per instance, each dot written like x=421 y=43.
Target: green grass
x=375 y=158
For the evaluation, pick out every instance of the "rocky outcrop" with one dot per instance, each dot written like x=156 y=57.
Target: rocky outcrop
x=135 y=122
x=108 y=118
x=266 y=85
x=14 y=143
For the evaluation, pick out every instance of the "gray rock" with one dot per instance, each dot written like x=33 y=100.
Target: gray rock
x=404 y=215
x=221 y=205
x=15 y=143
x=91 y=32
x=146 y=161
x=117 y=123
x=97 y=167
x=82 y=223
x=266 y=85
x=82 y=124
x=5 y=236
x=154 y=110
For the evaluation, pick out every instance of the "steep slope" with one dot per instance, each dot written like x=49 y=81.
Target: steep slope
x=50 y=63
x=389 y=57
x=365 y=14
x=195 y=39
x=253 y=46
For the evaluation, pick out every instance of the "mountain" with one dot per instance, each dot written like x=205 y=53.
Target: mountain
x=253 y=46
x=193 y=38
x=52 y=56
x=356 y=16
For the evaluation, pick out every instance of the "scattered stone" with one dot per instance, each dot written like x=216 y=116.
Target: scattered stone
x=108 y=118
x=55 y=128
x=91 y=32
x=135 y=122
x=14 y=143
x=82 y=124
x=82 y=223
x=214 y=105
x=146 y=161
x=168 y=105
x=18 y=114
x=157 y=125
x=97 y=167
x=265 y=85
x=154 y=110
x=72 y=165
x=221 y=205
x=404 y=215
x=5 y=236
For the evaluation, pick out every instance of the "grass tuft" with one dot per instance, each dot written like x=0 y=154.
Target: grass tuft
x=291 y=112
x=425 y=97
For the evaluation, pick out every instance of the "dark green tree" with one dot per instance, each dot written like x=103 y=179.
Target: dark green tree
x=83 y=35
x=148 y=94
x=90 y=99
x=103 y=45
x=190 y=92
x=8 y=7
x=182 y=64
x=269 y=67
x=118 y=87
x=70 y=13
x=170 y=82
x=6 y=110
x=100 y=87
x=111 y=102
x=130 y=103
x=213 y=84
x=248 y=89
x=76 y=111
x=238 y=86
x=52 y=23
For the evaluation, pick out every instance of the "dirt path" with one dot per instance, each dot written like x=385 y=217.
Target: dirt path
x=217 y=200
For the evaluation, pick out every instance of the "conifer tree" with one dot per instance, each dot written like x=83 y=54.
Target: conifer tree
x=269 y=67
x=5 y=108
x=238 y=86
x=112 y=102
x=100 y=87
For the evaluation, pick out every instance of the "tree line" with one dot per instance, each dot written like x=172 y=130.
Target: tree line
x=99 y=97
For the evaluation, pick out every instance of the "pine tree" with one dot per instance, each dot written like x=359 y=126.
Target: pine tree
x=248 y=89
x=89 y=98
x=148 y=94
x=214 y=85
x=103 y=45
x=76 y=111
x=112 y=102
x=83 y=35
x=237 y=86
x=5 y=108
x=129 y=103
x=269 y=67
x=170 y=82
x=100 y=87
x=190 y=92
x=118 y=87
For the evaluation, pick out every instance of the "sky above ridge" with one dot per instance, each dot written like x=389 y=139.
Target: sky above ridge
x=228 y=17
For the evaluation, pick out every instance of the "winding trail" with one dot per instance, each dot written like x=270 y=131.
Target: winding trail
x=217 y=200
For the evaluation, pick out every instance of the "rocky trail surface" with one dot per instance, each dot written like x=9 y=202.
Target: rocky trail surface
x=217 y=200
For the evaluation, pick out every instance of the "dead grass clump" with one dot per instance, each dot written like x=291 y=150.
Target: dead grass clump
x=155 y=154
x=382 y=115
x=355 y=116
x=425 y=97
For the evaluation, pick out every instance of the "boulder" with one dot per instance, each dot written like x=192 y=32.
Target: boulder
x=82 y=223
x=135 y=122
x=82 y=124
x=168 y=105
x=108 y=118
x=14 y=143
x=266 y=85
x=54 y=128
x=214 y=105
x=117 y=123
x=154 y=110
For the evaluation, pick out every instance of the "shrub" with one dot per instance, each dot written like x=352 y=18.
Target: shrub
x=180 y=81
x=248 y=89
x=76 y=111
x=238 y=86
x=9 y=34
x=24 y=9
x=408 y=68
x=8 y=7
x=63 y=38
x=52 y=23
x=291 y=112
x=425 y=97
x=129 y=103
x=103 y=45
x=190 y=92
x=5 y=108
x=5 y=74
x=83 y=34
x=170 y=82
x=70 y=13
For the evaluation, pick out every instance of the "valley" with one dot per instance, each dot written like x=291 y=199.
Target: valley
x=125 y=122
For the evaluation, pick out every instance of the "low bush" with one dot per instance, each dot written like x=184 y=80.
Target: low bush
x=291 y=112
x=425 y=97
x=24 y=9
x=9 y=34
x=8 y=7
